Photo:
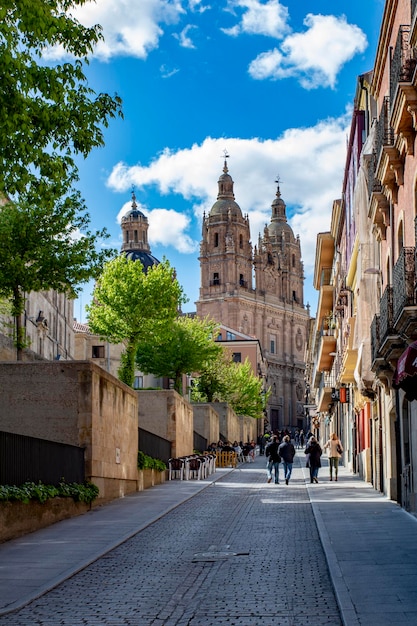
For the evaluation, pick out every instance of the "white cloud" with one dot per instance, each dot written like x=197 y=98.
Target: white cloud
x=314 y=57
x=198 y=7
x=309 y=161
x=269 y=18
x=129 y=28
x=183 y=38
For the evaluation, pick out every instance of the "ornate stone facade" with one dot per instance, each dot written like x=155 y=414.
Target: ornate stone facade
x=258 y=292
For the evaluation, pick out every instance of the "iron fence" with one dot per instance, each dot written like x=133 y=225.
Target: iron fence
x=375 y=338
x=386 y=313
x=154 y=446
x=403 y=281
x=24 y=459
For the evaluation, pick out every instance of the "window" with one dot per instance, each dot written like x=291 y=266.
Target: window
x=216 y=240
x=219 y=337
x=241 y=280
x=230 y=336
x=240 y=241
x=127 y=236
x=138 y=382
x=136 y=236
x=98 y=352
x=272 y=350
x=216 y=279
x=237 y=357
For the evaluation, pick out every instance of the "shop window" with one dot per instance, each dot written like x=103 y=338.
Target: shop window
x=98 y=352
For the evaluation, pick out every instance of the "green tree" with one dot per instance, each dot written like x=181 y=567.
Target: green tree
x=244 y=390
x=184 y=346
x=235 y=383
x=129 y=305
x=49 y=117
x=211 y=384
x=42 y=248
x=48 y=112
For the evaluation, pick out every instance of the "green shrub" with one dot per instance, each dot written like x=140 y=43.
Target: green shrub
x=147 y=462
x=86 y=492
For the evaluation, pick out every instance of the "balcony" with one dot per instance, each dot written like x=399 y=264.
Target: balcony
x=327 y=348
x=404 y=293
x=324 y=396
x=325 y=302
x=403 y=94
x=350 y=355
x=390 y=165
x=391 y=344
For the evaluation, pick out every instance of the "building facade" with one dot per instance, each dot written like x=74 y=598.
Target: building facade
x=364 y=382
x=258 y=292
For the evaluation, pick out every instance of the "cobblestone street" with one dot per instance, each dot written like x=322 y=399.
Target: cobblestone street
x=241 y=552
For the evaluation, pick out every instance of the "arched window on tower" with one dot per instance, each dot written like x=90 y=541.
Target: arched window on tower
x=216 y=279
x=293 y=260
x=136 y=236
x=216 y=240
x=240 y=241
x=127 y=236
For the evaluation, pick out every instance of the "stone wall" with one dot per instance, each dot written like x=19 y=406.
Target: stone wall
x=206 y=422
x=229 y=422
x=77 y=403
x=168 y=415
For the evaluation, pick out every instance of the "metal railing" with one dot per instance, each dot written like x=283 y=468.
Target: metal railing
x=403 y=61
x=25 y=459
x=384 y=132
x=386 y=313
x=375 y=338
x=404 y=281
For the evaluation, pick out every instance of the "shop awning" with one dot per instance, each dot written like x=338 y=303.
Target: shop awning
x=405 y=375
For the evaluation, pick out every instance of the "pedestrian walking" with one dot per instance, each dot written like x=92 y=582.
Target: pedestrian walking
x=335 y=452
x=301 y=438
x=286 y=451
x=273 y=459
x=297 y=438
x=314 y=451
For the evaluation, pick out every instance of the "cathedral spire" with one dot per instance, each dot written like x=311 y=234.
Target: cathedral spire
x=225 y=182
x=278 y=206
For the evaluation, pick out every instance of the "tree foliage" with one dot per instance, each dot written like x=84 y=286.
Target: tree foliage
x=186 y=345
x=235 y=383
x=129 y=305
x=49 y=117
x=48 y=112
x=45 y=247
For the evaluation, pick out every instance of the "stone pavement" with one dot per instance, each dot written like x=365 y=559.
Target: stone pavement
x=231 y=549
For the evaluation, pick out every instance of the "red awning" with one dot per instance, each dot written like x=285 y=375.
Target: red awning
x=405 y=376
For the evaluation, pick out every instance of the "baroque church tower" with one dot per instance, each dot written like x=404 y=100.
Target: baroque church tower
x=258 y=292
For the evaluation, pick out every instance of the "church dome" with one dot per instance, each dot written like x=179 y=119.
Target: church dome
x=225 y=203
x=278 y=224
x=147 y=259
x=135 y=237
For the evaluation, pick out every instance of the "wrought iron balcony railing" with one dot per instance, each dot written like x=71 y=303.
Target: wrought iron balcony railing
x=403 y=61
x=375 y=338
x=404 y=279
x=384 y=132
x=386 y=313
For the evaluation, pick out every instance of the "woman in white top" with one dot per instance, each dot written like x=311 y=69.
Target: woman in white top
x=335 y=452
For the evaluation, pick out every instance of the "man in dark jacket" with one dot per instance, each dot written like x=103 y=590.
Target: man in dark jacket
x=274 y=459
x=287 y=452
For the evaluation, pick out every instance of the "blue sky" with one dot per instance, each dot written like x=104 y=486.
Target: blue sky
x=270 y=82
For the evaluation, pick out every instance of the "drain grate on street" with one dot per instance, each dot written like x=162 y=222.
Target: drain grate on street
x=216 y=553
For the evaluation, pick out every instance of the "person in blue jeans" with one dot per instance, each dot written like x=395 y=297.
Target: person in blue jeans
x=274 y=459
x=314 y=452
x=287 y=452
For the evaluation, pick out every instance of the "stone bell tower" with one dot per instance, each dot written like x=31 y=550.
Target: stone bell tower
x=271 y=308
